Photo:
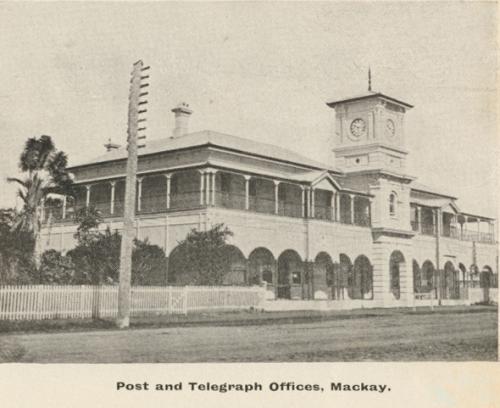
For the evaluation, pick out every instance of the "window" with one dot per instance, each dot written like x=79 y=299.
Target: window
x=392 y=204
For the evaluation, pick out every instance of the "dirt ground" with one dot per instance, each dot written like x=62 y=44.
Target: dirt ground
x=451 y=336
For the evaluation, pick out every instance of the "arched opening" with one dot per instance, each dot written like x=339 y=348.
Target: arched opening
x=182 y=269
x=463 y=275
x=486 y=277
x=236 y=273
x=290 y=275
x=174 y=271
x=417 y=278
x=396 y=265
x=427 y=277
x=451 y=284
x=323 y=276
x=344 y=278
x=487 y=280
x=261 y=267
x=362 y=279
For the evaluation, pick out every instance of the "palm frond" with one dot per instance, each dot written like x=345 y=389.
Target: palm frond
x=46 y=150
x=18 y=181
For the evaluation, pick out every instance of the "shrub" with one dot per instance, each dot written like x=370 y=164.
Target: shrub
x=56 y=269
x=202 y=258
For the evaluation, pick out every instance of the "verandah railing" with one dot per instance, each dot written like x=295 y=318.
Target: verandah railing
x=37 y=302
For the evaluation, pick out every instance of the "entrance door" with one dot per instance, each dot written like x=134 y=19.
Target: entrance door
x=284 y=281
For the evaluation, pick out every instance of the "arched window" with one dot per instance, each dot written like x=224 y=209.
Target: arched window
x=392 y=204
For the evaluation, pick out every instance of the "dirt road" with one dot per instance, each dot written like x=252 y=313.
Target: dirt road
x=401 y=337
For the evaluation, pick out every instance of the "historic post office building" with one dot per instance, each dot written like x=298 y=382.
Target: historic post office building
x=361 y=232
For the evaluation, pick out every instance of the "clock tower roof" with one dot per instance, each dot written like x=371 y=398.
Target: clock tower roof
x=332 y=103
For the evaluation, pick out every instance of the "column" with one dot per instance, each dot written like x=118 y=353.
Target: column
x=337 y=207
x=438 y=217
x=478 y=229
x=352 y=208
x=64 y=207
x=139 y=193
x=207 y=188
x=168 y=178
x=213 y=186
x=87 y=198
x=307 y=202
x=202 y=187
x=303 y=196
x=247 y=192
x=370 y=201
x=112 y=203
x=276 y=197
x=332 y=206
x=312 y=202
x=419 y=219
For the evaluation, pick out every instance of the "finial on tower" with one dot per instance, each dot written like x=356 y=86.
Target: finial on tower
x=369 y=79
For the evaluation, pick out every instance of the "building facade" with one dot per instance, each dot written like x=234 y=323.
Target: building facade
x=362 y=233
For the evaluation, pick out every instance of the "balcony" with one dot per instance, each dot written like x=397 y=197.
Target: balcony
x=450 y=231
x=185 y=191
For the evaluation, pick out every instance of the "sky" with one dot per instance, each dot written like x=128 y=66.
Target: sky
x=257 y=70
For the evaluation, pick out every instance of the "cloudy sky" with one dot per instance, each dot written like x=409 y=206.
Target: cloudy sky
x=261 y=71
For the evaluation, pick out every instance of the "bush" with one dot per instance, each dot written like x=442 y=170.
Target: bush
x=16 y=250
x=149 y=264
x=55 y=269
x=96 y=260
x=202 y=258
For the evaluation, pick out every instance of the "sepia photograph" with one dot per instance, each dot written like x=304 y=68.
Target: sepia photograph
x=248 y=182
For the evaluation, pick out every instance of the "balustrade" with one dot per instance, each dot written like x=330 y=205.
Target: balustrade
x=155 y=197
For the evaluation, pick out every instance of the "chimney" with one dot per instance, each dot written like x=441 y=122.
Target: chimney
x=182 y=113
x=111 y=146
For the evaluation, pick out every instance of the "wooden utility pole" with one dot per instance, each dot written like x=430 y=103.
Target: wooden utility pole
x=136 y=101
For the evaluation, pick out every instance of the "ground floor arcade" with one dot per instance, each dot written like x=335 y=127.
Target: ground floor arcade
x=290 y=277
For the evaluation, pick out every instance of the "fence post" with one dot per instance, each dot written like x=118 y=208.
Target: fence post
x=185 y=292
x=170 y=300
x=39 y=302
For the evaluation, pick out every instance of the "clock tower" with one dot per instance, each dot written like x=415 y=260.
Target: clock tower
x=369 y=133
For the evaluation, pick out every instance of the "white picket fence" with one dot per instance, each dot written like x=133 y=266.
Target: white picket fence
x=67 y=302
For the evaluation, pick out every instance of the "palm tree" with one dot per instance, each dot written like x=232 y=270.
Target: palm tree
x=46 y=173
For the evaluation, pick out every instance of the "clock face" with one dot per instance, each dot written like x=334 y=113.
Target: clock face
x=390 y=129
x=358 y=128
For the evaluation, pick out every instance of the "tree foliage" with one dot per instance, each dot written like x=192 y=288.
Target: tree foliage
x=95 y=260
x=16 y=250
x=55 y=269
x=45 y=172
x=201 y=258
